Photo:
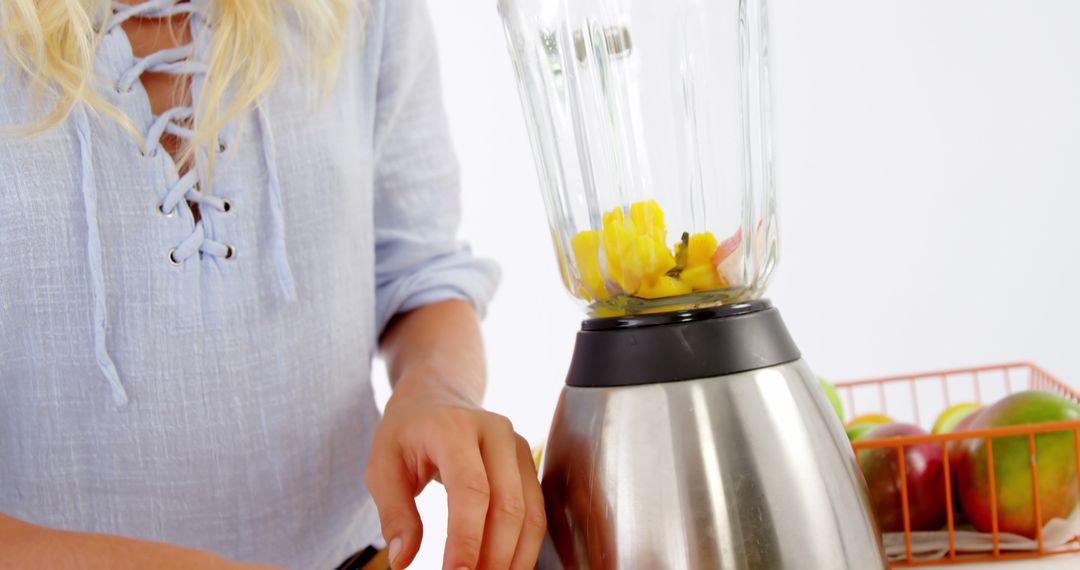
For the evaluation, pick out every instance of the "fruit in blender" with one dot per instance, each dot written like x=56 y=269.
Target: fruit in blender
x=618 y=236
x=1054 y=456
x=700 y=249
x=728 y=258
x=586 y=246
x=646 y=260
x=635 y=248
x=925 y=478
x=629 y=256
x=648 y=220
x=700 y=272
x=702 y=278
x=663 y=287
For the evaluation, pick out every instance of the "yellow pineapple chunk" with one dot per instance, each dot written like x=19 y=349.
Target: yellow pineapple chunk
x=648 y=219
x=617 y=238
x=645 y=260
x=702 y=277
x=661 y=287
x=701 y=249
x=636 y=261
x=658 y=258
x=587 y=259
x=613 y=217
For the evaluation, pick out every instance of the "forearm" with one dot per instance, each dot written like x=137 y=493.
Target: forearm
x=437 y=347
x=24 y=545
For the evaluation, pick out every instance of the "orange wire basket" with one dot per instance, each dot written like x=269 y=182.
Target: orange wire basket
x=908 y=398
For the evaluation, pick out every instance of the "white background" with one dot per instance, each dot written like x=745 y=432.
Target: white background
x=929 y=178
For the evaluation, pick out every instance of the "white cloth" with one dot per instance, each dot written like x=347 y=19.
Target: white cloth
x=1058 y=534
x=224 y=404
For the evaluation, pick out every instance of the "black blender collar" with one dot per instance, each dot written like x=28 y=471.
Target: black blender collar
x=681 y=345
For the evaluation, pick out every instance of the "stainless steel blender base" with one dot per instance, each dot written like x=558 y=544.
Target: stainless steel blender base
x=745 y=471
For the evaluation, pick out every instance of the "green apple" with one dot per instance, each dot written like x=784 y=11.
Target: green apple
x=859 y=431
x=834 y=398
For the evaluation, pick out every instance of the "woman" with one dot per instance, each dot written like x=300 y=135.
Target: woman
x=213 y=214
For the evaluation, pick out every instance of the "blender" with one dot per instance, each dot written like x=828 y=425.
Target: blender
x=690 y=433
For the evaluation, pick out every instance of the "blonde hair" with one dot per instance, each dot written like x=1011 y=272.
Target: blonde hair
x=53 y=42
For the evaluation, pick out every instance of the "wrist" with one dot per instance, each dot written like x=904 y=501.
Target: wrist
x=430 y=385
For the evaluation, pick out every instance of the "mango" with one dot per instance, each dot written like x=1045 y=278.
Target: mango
x=1054 y=455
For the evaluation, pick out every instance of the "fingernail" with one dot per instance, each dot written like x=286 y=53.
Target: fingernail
x=395 y=549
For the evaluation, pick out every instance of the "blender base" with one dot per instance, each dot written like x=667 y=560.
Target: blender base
x=745 y=469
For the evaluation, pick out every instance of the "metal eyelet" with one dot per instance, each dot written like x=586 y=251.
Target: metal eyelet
x=172 y=258
x=230 y=254
x=161 y=210
x=226 y=206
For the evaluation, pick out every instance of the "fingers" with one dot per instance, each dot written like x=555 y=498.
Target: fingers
x=393 y=488
x=468 y=493
x=506 y=510
x=535 y=524
x=496 y=507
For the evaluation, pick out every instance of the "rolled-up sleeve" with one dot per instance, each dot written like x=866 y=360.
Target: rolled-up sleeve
x=419 y=259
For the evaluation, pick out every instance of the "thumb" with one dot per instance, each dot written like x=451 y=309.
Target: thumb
x=393 y=487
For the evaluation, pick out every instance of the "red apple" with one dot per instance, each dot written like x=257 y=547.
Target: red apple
x=727 y=247
x=728 y=258
x=1055 y=456
x=925 y=480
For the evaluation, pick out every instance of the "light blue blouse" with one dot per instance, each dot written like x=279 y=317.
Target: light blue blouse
x=208 y=384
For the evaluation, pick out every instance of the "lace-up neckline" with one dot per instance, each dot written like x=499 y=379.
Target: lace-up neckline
x=177 y=61
x=187 y=189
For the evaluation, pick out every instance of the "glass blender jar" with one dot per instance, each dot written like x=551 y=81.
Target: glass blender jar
x=690 y=434
x=652 y=136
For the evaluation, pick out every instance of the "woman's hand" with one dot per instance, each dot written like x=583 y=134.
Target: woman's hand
x=496 y=509
x=434 y=429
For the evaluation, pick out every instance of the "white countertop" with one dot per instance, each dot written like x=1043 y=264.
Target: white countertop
x=1063 y=562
